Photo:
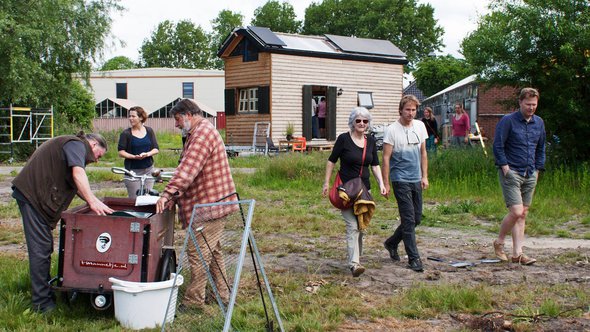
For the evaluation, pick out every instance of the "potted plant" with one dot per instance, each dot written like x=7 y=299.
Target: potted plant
x=290 y=131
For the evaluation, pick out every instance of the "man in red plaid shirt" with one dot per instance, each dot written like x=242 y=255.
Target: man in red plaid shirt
x=203 y=176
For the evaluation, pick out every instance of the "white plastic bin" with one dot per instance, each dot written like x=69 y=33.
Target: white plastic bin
x=140 y=305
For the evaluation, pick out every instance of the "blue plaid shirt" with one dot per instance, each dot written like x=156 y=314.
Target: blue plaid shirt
x=520 y=144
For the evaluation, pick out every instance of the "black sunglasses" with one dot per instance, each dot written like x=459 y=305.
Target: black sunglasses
x=363 y=121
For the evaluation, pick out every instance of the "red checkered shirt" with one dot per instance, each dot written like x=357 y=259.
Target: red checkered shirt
x=203 y=175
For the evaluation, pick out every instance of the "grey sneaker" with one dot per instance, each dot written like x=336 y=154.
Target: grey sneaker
x=392 y=252
x=416 y=265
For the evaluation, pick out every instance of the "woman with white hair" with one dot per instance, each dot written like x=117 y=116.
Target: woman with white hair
x=349 y=148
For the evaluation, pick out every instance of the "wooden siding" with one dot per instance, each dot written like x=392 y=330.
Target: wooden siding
x=157 y=124
x=240 y=130
x=290 y=73
x=239 y=74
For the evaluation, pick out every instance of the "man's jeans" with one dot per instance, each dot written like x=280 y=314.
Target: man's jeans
x=409 y=201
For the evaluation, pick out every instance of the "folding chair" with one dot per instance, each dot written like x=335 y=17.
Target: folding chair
x=300 y=144
x=260 y=138
x=271 y=148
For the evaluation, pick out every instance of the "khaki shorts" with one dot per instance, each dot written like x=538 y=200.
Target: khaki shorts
x=517 y=189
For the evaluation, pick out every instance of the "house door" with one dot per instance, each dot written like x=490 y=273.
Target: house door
x=308 y=117
x=311 y=124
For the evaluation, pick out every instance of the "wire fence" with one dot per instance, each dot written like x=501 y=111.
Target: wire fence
x=225 y=285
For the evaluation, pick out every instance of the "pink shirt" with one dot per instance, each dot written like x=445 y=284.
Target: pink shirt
x=461 y=126
x=322 y=109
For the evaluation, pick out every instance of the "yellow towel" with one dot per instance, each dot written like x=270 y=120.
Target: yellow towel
x=364 y=210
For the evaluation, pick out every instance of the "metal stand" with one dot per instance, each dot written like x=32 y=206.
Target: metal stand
x=236 y=224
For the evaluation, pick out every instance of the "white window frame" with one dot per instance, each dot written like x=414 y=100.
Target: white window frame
x=248 y=100
x=365 y=99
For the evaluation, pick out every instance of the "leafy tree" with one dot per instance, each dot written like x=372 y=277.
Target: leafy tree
x=181 y=45
x=409 y=26
x=117 y=63
x=225 y=22
x=77 y=108
x=44 y=43
x=436 y=73
x=278 y=17
x=544 y=44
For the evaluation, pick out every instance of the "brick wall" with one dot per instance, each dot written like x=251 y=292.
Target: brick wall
x=492 y=104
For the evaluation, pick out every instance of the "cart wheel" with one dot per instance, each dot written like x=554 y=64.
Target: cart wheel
x=101 y=301
x=167 y=264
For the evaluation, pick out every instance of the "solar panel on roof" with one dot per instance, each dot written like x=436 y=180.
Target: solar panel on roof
x=267 y=36
x=306 y=43
x=366 y=46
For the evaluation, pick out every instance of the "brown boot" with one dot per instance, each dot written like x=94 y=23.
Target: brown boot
x=357 y=270
x=523 y=260
x=499 y=251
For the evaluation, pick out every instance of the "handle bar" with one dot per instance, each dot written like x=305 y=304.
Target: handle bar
x=158 y=175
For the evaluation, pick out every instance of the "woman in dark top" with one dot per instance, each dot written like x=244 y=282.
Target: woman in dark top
x=138 y=145
x=349 y=149
x=431 y=128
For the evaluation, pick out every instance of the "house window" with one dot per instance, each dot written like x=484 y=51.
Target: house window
x=188 y=90
x=247 y=50
x=122 y=90
x=365 y=99
x=249 y=100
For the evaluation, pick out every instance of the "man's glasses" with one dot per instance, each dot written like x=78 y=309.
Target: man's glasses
x=363 y=121
x=412 y=137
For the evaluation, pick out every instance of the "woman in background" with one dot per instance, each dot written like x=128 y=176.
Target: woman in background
x=431 y=128
x=460 y=126
x=138 y=145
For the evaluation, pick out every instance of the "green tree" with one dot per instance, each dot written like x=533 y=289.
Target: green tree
x=117 y=63
x=77 y=109
x=225 y=22
x=433 y=74
x=544 y=44
x=181 y=45
x=409 y=26
x=278 y=17
x=44 y=43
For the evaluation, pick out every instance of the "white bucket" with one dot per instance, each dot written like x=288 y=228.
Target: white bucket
x=140 y=305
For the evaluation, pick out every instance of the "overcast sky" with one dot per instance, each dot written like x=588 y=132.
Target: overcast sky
x=457 y=17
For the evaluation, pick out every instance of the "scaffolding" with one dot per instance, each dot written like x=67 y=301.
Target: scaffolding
x=24 y=125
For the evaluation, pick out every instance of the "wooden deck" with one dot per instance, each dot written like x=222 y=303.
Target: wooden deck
x=319 y=145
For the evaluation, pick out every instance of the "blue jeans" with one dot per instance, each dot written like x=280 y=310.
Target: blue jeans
x=315 y=130
x=409 y=201
x=430 y=145
x=458 y=141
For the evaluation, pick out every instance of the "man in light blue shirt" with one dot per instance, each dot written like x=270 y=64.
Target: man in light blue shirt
x=405 y=164
x=519 y=149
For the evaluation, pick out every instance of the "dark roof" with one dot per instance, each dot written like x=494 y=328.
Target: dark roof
x=328 y=46
x=412 y=89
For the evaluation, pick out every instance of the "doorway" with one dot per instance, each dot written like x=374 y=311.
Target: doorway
x=319 y=116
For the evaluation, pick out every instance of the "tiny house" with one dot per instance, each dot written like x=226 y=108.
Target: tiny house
x=273 y=77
